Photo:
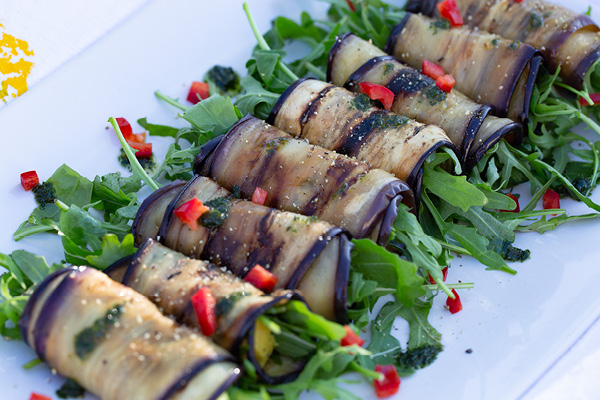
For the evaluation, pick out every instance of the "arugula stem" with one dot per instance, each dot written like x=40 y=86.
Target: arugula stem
x=170 y=101
x=262 y=43
x=364 y=371
x=32 y=363
x=61 y=205
x=131 y=157
x=454 y=248
x=452 y=286
x=320 y=74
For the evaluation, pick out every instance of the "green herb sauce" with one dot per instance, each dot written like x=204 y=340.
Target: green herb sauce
x=218 y=213
x=384 y=121
x=87 y=340
x=435 y=95
x=387 y=68
x=275 y=144
x=225 y=304
x=362 y=102
x=44 y=194
x=440 y=24
x=70 y=390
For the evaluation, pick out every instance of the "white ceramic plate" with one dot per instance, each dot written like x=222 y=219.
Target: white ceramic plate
x=516 y=326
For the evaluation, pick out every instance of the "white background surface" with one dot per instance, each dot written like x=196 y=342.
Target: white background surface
x=518 y=327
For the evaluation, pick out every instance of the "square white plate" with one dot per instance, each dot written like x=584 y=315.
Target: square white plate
x=516 y=326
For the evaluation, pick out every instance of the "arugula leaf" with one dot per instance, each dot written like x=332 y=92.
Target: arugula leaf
x=387 y=269
x=255 y=99
x=158 y=130
x=112 y=250
x=213 y=116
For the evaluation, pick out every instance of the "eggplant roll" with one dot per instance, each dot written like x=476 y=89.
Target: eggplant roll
x=565 y=37
x=335 y=118
x=170 y=279
x=117 y=344
x=487 y=68
x=469 y=125
x=304 y=253
x=307 y=179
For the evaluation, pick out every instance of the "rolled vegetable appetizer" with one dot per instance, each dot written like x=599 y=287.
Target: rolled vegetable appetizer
x=337 y=119
x=487 y=68
x=566 y=38
x=469 y=125
x=306 y=179
x=115 y=343
x=225 y=308
x=303 y=253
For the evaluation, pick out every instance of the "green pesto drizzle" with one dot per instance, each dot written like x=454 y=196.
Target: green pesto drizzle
x=535 y=21
x=384 y=121
x=440 y=24
x=272 y=145
x=362 y=102
x=87 y=340
x=387 y=68
x=514 y=45
x=435 y=95
x=218 y=213
x=225 y=304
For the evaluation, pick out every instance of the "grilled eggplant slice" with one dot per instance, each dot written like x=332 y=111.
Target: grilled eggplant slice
x=305 y=254
x=334 y=118
x=565 y=37
x=169 y=280
x=487 y=68
x=306 y=179
x=116 y=343
x=468 y=125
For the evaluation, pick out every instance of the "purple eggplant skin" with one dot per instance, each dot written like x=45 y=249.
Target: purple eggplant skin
x=303 y=178
x=70 y=301
x=169 y=279
x=470 y=126
x=326 y=116
x=565 y=37
x=149 y=216
x=487 y=67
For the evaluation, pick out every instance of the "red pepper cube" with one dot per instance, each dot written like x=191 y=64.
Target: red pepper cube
x=595 y=98
x=259 y=196
x=516 y=199
x=204 y=304
x=449 y=10
x=37 y=396
x=351 y=338
x=389 y=384
x=190 y=211
x=261 y=278
x=551 y=200
x=444 y=276
x=125 y=127
x=29 y=180
x=445 y=83
x=432 y=70
x=378 y=92
x=144 y=150
x=198 y=91
x=455 y=305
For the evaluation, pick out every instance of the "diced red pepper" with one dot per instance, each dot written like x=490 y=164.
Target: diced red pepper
x=378 y=92
x=144 y=150
x=204 y=304
x=516 y=199
x=595 y=98
x=389 y=384
x=444 y=276
x=261 y=278
x=37 y=396
x=190 y=211
x=351 y=5
x=445 y=82
x=551 y=200
x=455 y=305
x=29 y=180
x=127 y=132
x=198 y=91
x=259 y=196
x=351 y=338
x=518 y=1
x=432 y=70
x=449 y=10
